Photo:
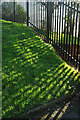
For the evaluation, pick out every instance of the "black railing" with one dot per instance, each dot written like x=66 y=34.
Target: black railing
x=14 y=11
x=60 y=22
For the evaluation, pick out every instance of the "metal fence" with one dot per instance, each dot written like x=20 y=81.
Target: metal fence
x=60 y=22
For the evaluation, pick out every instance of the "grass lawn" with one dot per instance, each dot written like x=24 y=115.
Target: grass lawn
x=32 y=73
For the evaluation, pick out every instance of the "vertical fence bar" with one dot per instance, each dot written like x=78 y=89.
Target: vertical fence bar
x=79 y=42
x=38 y=15
x=78 y=45
x=50 y=24
x=75 y=32
x=57 y=20
x=72 y=33
x=31 y=12
x=59 y=23
x=43 y=12
x=67 y=29
x=41 y=15
x=51 y=19
x=34 y=12
x=62 y=26
x=47 y=22
x=14 y=11
x=48 y=18
x=53 y=23
x=79 y=62
x=45 y=16
x=27 y=12
x=70 y=30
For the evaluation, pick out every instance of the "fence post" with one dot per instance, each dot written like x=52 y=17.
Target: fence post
x=27 y=12
x=78 y=42
x=79 y=61
x=47 y=22
x=13 y=10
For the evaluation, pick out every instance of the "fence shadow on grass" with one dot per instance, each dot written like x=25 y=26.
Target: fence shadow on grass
x=32 y=73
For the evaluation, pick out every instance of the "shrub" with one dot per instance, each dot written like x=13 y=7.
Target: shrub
x=7 y=12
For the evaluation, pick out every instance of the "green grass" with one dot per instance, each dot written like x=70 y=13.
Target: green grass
x=32 y=73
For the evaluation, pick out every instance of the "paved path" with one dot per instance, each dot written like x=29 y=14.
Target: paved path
x=73 y=110
x=69 y=110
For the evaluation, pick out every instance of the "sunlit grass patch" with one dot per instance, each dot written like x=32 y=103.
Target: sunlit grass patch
x=32 y=73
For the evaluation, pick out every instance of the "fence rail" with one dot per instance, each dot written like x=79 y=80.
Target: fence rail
x=60 y=22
